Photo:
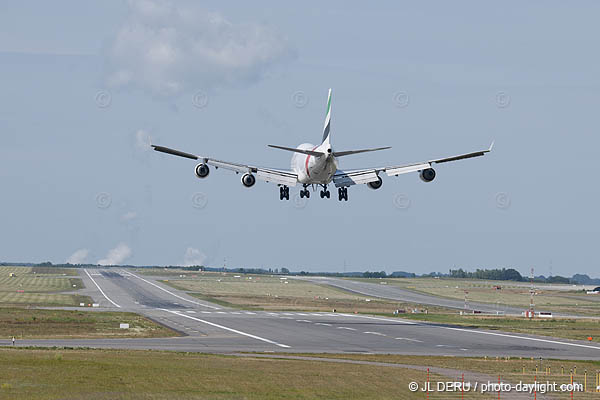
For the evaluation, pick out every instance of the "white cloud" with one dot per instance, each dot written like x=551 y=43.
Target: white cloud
x=116 y=255
x=142 y=140
x=78 y=257
x=193 y=257
x=166 y=49
x=129 y=215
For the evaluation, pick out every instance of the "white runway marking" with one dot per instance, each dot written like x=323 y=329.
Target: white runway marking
x=236 y=313
x=344 y=327
x=221 y=312
x=304 y=315
x=250 y=313
x=191 y=312
x=101 y=291
x=229 y=329
x=525 y=338
x=322 y=323
x=206 y=312
x=377 y=318
x=302 y=320
x=375 y=333
x=409 y=339
x=171 y=293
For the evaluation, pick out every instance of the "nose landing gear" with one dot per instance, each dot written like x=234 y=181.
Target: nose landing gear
x=343 y=194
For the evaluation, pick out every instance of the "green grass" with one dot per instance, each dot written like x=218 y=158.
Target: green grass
x=264 y=292
x=40 y=286
x=112 y=374
x=37 y=324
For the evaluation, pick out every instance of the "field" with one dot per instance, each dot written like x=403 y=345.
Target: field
x=40 y=286
x=576 y=329
x=108 y=374
x=35 y=324
x=561 y=298
x=265 y=292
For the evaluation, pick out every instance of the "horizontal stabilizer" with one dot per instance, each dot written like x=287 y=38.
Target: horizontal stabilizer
x=349 y=152
x=307 y=152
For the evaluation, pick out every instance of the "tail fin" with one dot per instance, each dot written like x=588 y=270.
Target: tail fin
x=327 y=126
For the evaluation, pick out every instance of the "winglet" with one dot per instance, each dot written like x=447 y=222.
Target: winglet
x=491 y=145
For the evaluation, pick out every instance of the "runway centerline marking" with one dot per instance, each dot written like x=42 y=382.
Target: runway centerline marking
x=229 y=329
x=322 y=323
x=376 y=318
x=101 y=291
x=345 y=327
x=525 y=338
x=409 y=339
x=171 y=293
x=375 y=333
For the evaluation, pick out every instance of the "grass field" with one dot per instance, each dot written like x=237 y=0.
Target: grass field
x=36 y=324
x=40 y=286
x=274 y=293
x=576 y=329
x=105 y=374
x=511 y=293
x=509 y=369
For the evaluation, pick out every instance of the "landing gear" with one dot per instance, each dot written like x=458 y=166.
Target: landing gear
x=343 y=194
x=284 y=192
x=325 y=193
x=304 y=192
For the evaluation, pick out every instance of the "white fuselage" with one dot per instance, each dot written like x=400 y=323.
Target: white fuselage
x=314 y=170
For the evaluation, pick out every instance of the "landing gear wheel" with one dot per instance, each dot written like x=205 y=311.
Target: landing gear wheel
x=328 y=194
x=343 y=194
x=307 y=194
x=322 y=193
x=284 y=193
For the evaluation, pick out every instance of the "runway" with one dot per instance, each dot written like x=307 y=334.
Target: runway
x=208 y=327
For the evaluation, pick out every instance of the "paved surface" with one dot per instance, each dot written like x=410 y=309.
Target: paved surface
x=396 y=293
x=211 y=328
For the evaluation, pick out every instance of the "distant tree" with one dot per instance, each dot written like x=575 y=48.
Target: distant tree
x=285 y=270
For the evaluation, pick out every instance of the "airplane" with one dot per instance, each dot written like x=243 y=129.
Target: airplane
x=317 y=165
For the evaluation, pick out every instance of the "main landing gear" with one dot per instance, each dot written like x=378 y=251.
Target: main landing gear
x=284 y=192
x=304 y=192
x=343 y=194
x=325 y=193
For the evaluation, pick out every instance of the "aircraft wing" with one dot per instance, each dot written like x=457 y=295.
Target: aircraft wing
x=355 y=177
x=281 y=177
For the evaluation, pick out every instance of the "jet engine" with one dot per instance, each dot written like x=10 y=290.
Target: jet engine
x=202 y=170
x=376 y=184
x=248 y=180
x=427 y=175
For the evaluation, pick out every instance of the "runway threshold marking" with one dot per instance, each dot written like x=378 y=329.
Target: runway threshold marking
x=101 y=291
x=228 y=329
x=171 y=293
x=525 y=338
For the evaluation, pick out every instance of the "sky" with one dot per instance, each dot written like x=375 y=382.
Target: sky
x=87 y=86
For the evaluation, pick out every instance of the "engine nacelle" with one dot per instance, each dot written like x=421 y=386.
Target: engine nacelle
x=427 y=175
x=248 y=180
x=375 y=185
x=202 y=170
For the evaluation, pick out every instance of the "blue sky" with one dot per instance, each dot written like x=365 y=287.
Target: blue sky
x=86 y=86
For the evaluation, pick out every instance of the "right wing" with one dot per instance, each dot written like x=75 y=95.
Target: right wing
x=355 y=177
x=280 y=177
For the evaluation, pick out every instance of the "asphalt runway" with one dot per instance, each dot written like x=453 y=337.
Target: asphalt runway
x=208 y=327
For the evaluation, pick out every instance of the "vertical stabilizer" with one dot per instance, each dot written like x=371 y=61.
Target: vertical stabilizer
x=327 y=126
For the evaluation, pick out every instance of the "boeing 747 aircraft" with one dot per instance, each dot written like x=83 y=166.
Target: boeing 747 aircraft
x=318 y=166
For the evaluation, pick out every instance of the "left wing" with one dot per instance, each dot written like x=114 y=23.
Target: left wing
x=355 y=177
x=277 y=176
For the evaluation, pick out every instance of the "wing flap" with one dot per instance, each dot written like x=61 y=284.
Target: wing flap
x=350 y=178
x=279 y=177
x=395 y=171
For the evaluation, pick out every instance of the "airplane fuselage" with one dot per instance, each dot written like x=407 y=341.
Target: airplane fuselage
x=315 y=170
